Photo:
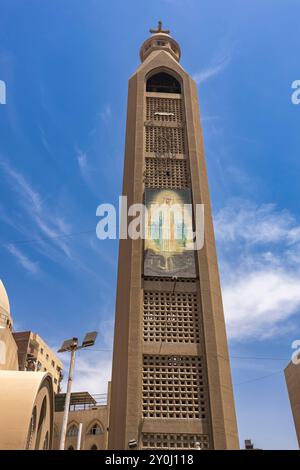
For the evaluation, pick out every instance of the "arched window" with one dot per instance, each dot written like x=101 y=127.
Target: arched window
x=70 y=448
x=55 y=431
x=32 y=427
x=95 y=430
x=41 y=422
x=94 y=447
x=72 y=431
x=46 y=441
x=163 y=83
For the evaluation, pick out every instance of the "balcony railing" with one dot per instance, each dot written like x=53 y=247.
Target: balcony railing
x=99 y=400
x=80 y=401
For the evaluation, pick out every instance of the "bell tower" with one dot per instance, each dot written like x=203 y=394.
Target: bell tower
x=171 y=378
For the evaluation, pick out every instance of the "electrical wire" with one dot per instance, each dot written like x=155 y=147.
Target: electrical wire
x=258 y=378
x=40 y=239
x=232 y=357
x=261 y=358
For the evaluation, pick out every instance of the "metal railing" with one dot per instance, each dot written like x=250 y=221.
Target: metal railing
x=99 y=400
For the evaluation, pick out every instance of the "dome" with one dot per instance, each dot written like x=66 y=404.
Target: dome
x=4 y=302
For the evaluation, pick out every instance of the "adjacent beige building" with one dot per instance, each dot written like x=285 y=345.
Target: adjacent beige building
x=26 y=398
x=35 y=355
x=292 y=377
x=26 y=410
x=171 y=377
x=91 y=412
x=30 y=373
x=8 y=347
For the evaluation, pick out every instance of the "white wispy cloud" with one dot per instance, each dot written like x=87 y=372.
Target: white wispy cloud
x=84 y=166
x=2 y=92
x=20 y=184
x=243 y=221
x=44 y=221
x=30 y=266
x=257 y=303
x=93 y=372
x=44 y=139
x=44 y=225
x=93 y=366
x=82 y=160
x=106 y=113
x=217 y=65
x=259 y=249
x=87 y=171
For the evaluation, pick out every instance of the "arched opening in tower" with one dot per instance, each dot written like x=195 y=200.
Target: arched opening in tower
x=163 y=83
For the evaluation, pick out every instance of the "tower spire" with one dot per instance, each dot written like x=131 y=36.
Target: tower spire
x=159 y=29
x=160 y=39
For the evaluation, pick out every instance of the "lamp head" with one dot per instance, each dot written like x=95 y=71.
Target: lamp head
x=89 y=339
x=68 y=345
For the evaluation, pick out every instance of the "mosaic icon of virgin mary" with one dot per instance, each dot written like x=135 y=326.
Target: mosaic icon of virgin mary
x=169 y=236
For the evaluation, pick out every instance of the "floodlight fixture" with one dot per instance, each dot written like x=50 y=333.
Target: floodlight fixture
x=89 y=339
x=68 y=345
x=72 y=346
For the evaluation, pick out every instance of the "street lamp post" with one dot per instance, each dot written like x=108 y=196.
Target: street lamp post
x=79 y=437
x=72 y=346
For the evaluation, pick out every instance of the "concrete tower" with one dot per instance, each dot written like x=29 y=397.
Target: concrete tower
x=171 y=379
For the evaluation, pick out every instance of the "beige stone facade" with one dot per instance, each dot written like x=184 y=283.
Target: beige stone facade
x=94 y=419
x=26 y=410
x=26 y=398
x=25 y=350
x=171 y=378
x=8 y=347
x=35 y=355
x=292 y=377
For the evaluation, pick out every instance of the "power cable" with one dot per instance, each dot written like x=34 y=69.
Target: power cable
x=258 y=378
x=37 y=240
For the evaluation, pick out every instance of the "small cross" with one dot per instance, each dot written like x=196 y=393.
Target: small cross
x=159 y=29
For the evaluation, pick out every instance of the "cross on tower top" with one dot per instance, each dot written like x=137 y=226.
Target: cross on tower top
x=159 y=29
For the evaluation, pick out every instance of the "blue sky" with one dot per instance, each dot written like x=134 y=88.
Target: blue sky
x=66 y=64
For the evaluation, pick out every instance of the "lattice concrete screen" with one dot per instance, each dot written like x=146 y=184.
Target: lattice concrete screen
x=174 y=441
x=164 y=109
x=165 y=140
x=168 y=173
x=171 y=317
x=173 y=387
